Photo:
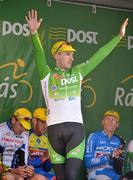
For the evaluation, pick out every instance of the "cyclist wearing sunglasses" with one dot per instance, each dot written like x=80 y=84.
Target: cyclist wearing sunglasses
x=14 y=145
x=62 y=89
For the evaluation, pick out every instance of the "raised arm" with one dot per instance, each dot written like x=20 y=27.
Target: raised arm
x=103 y=52
x=123 y=28
x=34 y=24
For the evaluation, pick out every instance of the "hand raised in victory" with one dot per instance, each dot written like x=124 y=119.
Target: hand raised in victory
x=123 y=28
x=33 y=22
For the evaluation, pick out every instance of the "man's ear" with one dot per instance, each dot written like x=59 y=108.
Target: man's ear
x=13 y=119
x=34 y=122
x=102 y=122
x=55 y=56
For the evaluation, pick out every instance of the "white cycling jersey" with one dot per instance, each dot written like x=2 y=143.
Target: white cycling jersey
x=11 y=143
x=62 y=90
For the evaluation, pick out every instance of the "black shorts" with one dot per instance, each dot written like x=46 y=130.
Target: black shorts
x=66 y=140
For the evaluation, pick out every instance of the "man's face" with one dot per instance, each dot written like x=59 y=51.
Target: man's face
x=64 y=60
x=110 y=124
x=41 y=126
x=17 y=127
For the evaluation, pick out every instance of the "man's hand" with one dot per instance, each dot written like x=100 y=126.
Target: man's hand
x=20 y=171
x=30 y=171
x=117 y=153
x=123 y=28
x=33 y=22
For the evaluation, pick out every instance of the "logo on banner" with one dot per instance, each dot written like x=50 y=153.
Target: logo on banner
x=124 y=94
x=72 y=35
x=8 y=90
x=130 y=42
x=16 y=28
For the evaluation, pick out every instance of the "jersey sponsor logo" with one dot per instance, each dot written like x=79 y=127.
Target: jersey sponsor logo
x=57 y=76
x=71 y=98
x=9 y=139
x=70 y=80
x=105 y=148
x=53 y=87
x=114 y=143
x=38 y=141
x=56 y=157
x=99 y=154
x=95 y=160
x=75 y=152
x=59 y=99
x=102 y=142
x=37 y=153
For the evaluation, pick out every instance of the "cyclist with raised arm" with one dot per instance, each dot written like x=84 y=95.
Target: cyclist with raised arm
x=61 y=88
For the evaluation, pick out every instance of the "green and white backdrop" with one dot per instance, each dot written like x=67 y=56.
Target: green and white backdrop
x=109 y=86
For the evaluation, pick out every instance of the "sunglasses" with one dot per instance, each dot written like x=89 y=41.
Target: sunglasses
x=25 y=118
x=62 y=44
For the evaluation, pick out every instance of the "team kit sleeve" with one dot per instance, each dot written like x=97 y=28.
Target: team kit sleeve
x=86 y=67
x=42 y=67
x=89 y=158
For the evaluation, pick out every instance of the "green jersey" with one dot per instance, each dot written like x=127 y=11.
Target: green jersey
x=62 y=90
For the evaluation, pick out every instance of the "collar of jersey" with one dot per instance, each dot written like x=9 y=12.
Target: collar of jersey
x=9 y=124
x=107 y=135
x=59 y=71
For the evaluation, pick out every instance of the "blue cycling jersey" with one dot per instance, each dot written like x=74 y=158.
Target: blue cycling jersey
x=99 y=147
